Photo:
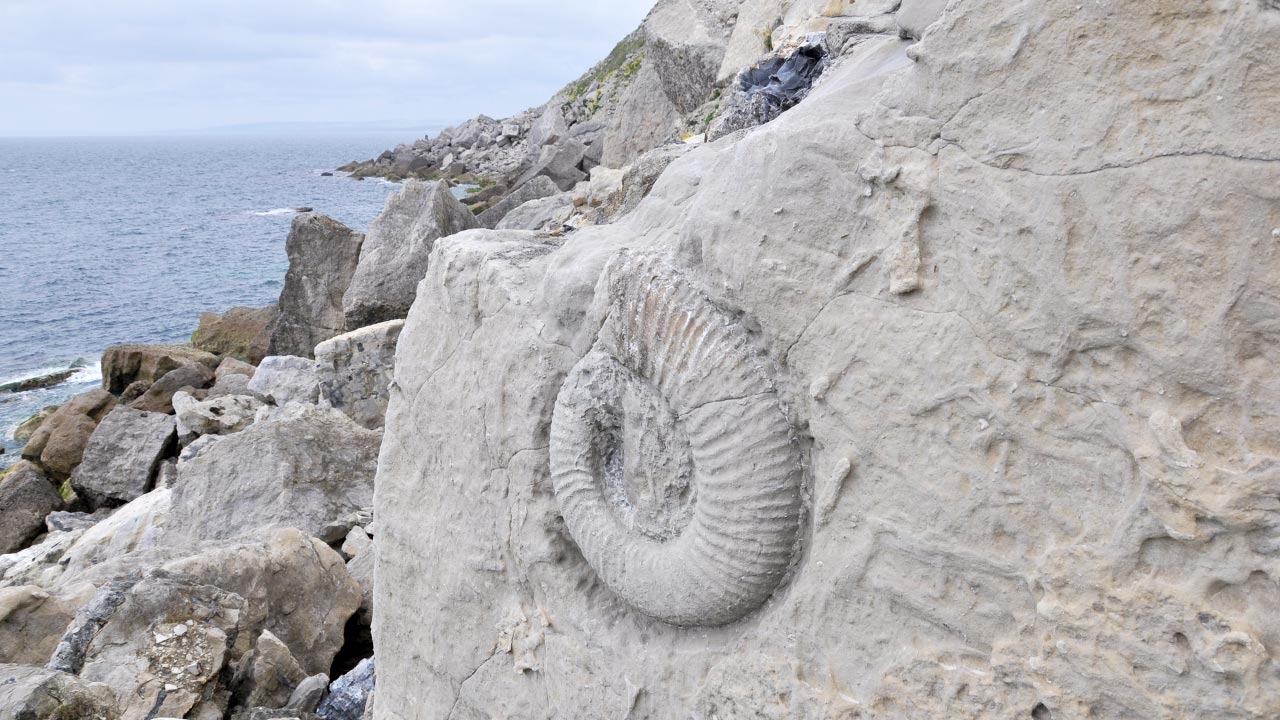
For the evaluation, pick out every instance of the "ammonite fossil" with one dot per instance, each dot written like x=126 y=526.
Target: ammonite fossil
x=674 y=465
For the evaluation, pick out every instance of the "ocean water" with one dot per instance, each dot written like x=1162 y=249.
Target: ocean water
x=106 y=241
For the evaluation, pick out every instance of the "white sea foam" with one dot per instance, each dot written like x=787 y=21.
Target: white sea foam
x=276 y=211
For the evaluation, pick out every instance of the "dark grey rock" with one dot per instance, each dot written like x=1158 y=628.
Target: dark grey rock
x=26 y=498
x=323 y=254
x=349 y=694
x=123 y=455
x=70 y=653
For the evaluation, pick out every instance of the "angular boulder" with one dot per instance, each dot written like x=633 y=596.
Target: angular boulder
x=539 y=187
x=57 y=446
x=159 y=397
x=28 y=427
x=123 y=365
x=26 y=498
x=540 y=214
x=242 y=333
x=301 y=468
x=394 y=256
x=122 y=456
x=355 y=371
x=34 y=693
x=323 y=254
x=271 y=676
x=286 y=379
x=217 y=416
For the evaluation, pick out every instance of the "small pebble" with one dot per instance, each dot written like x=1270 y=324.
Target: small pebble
x=180 y=630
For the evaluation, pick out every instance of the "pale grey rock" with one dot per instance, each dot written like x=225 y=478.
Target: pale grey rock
x=123 y=455
x=1041 y=483
x=686 y=43
x=394 y=256
x=286 y=379
x=539 y=187
x=271 y=675
x=62 y=521
x=645 y=117
x=26 y=498
x=355 y=371
x=915 y=16
x=640 y=176
x=228 y=385
x=32 y=693
x=231 y=366
x=356 y=542
x=543 y=213
x=323 y=254
x=307 y=696
x=549 y=129
x=219 y=416
x=561 y=163
x=299 y=469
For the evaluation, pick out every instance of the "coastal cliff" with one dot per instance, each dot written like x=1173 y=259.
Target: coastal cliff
x=803 y=359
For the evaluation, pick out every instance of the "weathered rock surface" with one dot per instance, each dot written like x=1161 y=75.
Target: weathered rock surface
x=1017 y=312
x=355 y=371
x=28 y=427
x=31 y=623
x=57 y=446
x=123 y=365
x=543 y=213
x=349 y=694
x=122 y=457
x=323 y=254
x=242 y=333
x=539 y=187
x=394 y=255
x=26 y=498
x=159 y=397
x=33 y=693
x=286 y=379
x=220 y=416
x=301 y=468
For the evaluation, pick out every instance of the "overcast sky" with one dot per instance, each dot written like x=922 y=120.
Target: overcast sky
x=106 y=67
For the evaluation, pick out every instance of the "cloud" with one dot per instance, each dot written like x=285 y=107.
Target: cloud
x=93 y=67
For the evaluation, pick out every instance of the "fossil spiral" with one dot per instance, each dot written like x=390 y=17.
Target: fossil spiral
x=673 y=462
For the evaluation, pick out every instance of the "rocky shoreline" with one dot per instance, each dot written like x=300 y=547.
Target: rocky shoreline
x=780 y=349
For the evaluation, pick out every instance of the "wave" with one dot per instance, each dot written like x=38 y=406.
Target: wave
x=276 y=211
x=80 y=372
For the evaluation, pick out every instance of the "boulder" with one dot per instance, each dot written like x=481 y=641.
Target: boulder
x=300 y=468
x=242 y=333
x=25 y=429
x=123 y=455
x=26 y=497
x=349 y=694
x=644 y=118
x=549 y=129
x=218 y=416
x=32 y=621
x=271 y=675
x=33 y=693
x=159 y=397
x=976 y=415
x=394 y=256
x=540 y=214
x=165 y=641
x=307 y=696
x=231 y=366
x=286 y=379
x=57 y=446
x=561 y=163
x=323 y=254
x=539 y=187
x=355 y=371
x=233 y=384
x=641 y=175
x=123 y=365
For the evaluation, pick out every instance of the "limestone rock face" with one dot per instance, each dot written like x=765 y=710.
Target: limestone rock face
x=32 y=621
x=58 y=444
x=242 y=333
x=323 y=254
x=301 y=468
x=219 y=416
x=355 y=371
x=26 y=498
x=1009 y=290
x=394 y=256
x=122 y=457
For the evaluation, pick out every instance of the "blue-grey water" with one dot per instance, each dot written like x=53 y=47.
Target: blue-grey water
x=106 y=241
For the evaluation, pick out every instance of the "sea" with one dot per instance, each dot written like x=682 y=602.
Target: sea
x=122 y=240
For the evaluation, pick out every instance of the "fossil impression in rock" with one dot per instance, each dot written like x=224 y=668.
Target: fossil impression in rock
x=673 y=462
